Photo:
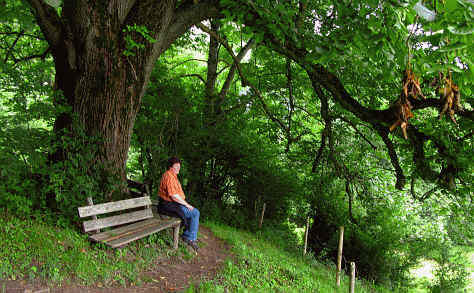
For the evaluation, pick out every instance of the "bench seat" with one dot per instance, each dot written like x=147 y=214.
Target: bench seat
x=125 y=227
x=126 y=234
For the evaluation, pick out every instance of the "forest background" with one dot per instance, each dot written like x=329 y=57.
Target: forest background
x=351 y=113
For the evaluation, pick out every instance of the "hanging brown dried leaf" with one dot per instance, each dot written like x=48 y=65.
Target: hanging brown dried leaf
x=402 y=107
x=450 y=97
x=411 y=85
x=402 y=110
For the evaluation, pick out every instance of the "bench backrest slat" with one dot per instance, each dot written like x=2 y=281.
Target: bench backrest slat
x=117 y=220
x=114 y=206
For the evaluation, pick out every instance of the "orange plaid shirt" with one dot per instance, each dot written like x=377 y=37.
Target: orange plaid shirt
x=170 y=185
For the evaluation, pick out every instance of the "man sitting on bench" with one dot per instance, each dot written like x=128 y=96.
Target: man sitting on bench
x=173 y=203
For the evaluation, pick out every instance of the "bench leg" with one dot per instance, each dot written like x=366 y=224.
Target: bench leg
x=176 y=236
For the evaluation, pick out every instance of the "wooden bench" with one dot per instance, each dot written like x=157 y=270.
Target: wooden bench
x=125 y=227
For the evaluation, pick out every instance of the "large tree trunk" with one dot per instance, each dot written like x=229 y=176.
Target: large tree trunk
x=103 y=87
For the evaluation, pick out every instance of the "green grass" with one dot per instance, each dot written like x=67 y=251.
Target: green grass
x=32 y=249
x=470 y=258
x=263 y=261
x=268 y=262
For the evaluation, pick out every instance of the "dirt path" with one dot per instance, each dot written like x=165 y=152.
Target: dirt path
x=170 y=275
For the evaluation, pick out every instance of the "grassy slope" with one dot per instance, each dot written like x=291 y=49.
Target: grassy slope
x=31 y=249
x=266 y=261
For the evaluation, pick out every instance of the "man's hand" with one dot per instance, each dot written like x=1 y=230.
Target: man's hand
x=179 y=200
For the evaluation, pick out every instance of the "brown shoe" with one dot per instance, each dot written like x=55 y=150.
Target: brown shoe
x=191 y=243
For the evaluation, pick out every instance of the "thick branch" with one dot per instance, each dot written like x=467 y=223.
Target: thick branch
x=418 y=139
x=379 y=119
x=212 y=60
x=401 y=180
x=341 y=169
x=166 y=22
x=245 y=81
x=438 y=103
x=188 y=14
x=48 y=20
x=122 y=7
x=320 y=150
x=230 y=76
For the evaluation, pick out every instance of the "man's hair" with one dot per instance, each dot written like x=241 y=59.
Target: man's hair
x=171 y=162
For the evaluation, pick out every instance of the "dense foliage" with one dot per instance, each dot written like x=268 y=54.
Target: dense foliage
x=311 y=107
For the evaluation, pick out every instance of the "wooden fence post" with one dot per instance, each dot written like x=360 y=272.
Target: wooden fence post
x=353 y=275
x=339 y=256
x=306 y=236
x=261 y=217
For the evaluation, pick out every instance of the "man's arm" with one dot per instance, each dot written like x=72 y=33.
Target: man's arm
x=179 y=200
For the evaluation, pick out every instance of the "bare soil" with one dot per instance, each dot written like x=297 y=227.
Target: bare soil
x=173 y=274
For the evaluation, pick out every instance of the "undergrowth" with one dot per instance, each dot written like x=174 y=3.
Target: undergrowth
x=32 y=249
x=268 y=262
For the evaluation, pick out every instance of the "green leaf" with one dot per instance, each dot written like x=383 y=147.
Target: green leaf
x=452 y=47
x=451 y=5
x=441 y=68
x=461 y=30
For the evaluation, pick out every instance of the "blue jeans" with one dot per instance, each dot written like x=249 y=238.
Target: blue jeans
x=193 y=219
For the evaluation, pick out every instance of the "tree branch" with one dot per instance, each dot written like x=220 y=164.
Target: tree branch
x=357 y=130
x=122 y=7
x=193 y=75
x=381 y=120
x=11 y=47
x=230 y=76
x=418 y=139
x=212 y=60
x=320 y=150
x=185 y=61
x=240 y=105
x=41 y=56
x=188 y=14
x=22 y=34
x=48 y=20
x=425 y=196
x=166 y=22
x=291 y=102
x=308 y=113
x=245 y=81
x=401 y=180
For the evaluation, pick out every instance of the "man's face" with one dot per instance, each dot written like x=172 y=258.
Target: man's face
x=176 y=167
